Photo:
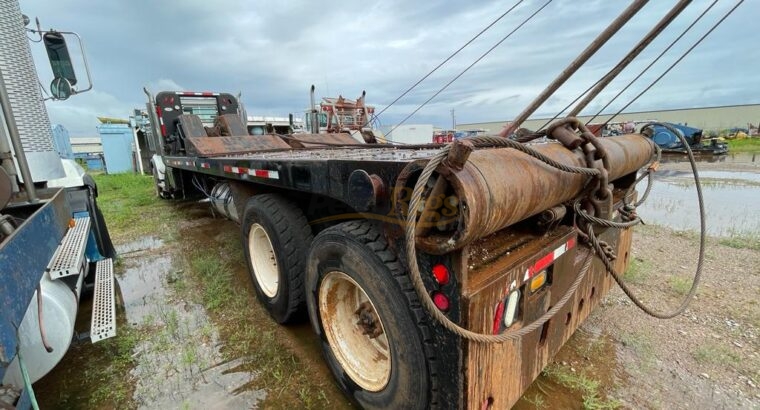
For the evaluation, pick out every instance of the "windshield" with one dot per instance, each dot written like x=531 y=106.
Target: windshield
x=204 y=107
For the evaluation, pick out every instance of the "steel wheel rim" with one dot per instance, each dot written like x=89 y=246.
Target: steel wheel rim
x=263 y=260
x=365 y=360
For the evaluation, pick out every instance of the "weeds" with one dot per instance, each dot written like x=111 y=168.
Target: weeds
x=691 y=235
x=537 y=401
x=715 y=354
x=641 y=345
x=216 y=280
x=638 y=271
x=579 y=381
x=750 y=241
x=126 y=199
x=111 y=389
x=680 y=285
x=247 y=330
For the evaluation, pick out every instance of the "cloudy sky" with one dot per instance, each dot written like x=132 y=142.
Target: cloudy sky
x=272 y=51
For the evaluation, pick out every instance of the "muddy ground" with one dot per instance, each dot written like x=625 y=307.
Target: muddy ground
x=181 y=345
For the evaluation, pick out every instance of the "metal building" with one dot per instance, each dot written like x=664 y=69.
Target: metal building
x=707 y=118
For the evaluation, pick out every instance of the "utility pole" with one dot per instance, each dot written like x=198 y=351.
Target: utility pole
x=453 y=120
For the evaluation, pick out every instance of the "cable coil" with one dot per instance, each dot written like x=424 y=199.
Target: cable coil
x=595 y=246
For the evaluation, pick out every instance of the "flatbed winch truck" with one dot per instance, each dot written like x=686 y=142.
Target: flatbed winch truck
x=324 y=224
x=54 y=244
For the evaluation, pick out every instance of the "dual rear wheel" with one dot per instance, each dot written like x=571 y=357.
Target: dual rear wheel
x=360 y=301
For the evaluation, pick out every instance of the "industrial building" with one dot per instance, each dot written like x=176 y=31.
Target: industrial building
x=710 y=119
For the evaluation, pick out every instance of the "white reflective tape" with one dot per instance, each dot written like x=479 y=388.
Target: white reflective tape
x=559 y=251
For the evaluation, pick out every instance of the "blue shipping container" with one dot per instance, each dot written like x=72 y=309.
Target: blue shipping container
x=117 y=141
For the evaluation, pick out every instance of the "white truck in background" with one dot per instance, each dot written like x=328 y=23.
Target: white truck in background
x=410 y=133
x=54 y=244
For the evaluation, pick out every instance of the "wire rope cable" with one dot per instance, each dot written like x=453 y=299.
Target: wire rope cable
x=448 y=59
x=519 y=26
x=675 y=63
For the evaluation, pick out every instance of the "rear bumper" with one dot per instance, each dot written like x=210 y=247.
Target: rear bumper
x=500 y=373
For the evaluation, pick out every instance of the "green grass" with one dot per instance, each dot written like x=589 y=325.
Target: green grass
x=131 y=208
x=113 y=388
x=715 y=354
x=580 y=382
x=745 y=241
x=744 y=145
x=641 y=345
x=247 y=330
x=216 y=280
x=537 y=401
x=679 y=284
x=638 y=271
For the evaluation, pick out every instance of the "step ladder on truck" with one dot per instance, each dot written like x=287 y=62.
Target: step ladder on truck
x=54 y=243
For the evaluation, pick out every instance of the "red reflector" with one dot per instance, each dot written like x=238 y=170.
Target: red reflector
x=441 y=274
x=497 y=317
x=441 y=301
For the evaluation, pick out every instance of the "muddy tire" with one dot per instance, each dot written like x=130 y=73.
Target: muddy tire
x=371 y=326
x=276 y=239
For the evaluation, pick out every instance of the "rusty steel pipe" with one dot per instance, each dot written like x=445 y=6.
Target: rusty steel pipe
x=635 y=51
x=592 y=48
x=500 y=187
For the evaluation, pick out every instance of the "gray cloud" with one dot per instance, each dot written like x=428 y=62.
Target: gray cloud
x=273 y=52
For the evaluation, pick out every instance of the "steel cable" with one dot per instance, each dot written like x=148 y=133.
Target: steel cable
x=519 y=26
x=700 y=259
x=411 y=251
x=447 y=59
x=594 y=248
x=675 y=63
x=662 y=53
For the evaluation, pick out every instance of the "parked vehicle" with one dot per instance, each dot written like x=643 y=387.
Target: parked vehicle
x=670 y=143
x=54 y=244
x=342 y=115
x=323 y=221
x=260 y=125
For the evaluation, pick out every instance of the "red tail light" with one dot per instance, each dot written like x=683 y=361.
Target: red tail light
x=441 y=274
x=441 y=301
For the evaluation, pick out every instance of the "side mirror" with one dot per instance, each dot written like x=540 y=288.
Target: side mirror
x=60 y=88
x=60 y=60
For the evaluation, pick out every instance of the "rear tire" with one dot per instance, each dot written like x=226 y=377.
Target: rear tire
x=276 y=239
x=357 y=288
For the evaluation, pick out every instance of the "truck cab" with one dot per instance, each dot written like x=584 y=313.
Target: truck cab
x=55 y=248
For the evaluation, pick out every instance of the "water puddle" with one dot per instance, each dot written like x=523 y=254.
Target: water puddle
x=177 y=349
x=179 y=362
x=147 y=243
x=730 y=199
